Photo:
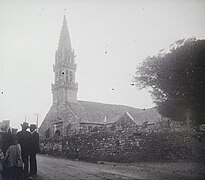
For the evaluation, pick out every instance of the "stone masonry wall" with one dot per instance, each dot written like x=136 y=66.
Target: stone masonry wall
x=128 y=146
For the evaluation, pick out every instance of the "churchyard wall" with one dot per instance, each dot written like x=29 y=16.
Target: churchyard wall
x=130 y=144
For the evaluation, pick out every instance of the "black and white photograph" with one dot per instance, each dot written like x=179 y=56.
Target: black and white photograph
x=102 y=89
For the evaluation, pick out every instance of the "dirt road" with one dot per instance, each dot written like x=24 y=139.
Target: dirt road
x=51 y=168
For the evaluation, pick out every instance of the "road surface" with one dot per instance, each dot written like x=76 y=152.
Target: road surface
x=52 y=168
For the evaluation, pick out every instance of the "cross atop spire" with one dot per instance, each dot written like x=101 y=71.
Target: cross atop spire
x=65 y=11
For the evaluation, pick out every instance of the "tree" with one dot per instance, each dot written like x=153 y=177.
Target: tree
x=177 y=80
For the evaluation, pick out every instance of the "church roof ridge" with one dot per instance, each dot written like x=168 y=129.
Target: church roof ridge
x=95 y=112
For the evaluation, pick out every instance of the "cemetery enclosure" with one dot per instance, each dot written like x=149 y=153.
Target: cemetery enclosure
x=129 y=145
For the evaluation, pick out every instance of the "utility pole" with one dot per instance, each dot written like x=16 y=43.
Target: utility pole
x=37 y=115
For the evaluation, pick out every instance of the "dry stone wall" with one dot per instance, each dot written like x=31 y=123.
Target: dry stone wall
x=128 y=146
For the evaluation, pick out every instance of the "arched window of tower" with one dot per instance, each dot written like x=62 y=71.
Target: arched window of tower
x=71 y=76
x=66 y=73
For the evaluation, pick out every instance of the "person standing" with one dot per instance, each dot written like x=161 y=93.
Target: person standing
x=5 y=141
x=34 y=149
x=15 y=164
x=24 y=138
x=1 y=163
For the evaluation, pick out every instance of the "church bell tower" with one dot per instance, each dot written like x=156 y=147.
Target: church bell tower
x=64 y=88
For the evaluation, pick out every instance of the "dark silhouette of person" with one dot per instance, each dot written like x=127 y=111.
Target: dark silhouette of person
x=24 y=138
x=34 y=149
x=6 y=141
x=14 y=159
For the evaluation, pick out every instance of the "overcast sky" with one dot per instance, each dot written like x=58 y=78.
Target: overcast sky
x=127 y=30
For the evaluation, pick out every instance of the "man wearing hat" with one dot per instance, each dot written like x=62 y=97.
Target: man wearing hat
x=34 y=149
x=24 y=138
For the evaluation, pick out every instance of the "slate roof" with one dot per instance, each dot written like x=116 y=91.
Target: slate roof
x=93 y=112
x=120 y=119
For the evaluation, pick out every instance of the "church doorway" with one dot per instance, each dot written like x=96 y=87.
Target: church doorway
x=57 y=133
x=48 y=133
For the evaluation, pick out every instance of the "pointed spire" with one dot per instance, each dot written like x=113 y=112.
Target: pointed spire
x=64 y=40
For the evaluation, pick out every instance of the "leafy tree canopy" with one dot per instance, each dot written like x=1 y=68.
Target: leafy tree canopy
x=177 y=80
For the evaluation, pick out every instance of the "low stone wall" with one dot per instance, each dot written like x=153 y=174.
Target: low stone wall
x=128 y=146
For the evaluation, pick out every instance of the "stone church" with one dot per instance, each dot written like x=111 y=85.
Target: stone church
x=68 y=115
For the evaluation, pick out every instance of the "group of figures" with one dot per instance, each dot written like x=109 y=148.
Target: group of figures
x=18 y=153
